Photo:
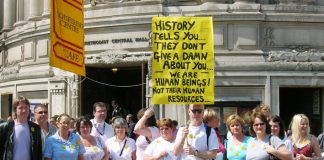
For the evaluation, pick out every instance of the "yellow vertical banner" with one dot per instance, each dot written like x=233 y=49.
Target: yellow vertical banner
x=67 y=35
x=182 y=60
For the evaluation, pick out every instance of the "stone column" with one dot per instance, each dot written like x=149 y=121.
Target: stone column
x=46 y=8
x=35 y=9
x=58 y=93
x=1 y=15
x=9 y=14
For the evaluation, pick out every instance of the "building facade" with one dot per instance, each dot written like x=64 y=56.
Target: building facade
x=266 y=51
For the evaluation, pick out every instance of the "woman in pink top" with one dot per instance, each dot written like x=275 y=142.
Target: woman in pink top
x=146 y=129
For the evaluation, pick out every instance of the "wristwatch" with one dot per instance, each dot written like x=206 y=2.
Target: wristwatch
x=196 y=153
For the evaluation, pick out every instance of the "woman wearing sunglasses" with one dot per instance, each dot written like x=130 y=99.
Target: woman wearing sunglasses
x=162 y=147
x=264 y=145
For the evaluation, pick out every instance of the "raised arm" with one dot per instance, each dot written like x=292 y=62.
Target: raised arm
x=140 y=127
x=178 y=147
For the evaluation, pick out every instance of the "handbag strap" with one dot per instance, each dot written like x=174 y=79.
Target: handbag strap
x=121 y=152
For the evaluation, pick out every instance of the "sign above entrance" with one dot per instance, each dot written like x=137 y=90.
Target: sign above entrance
x=67 y=35
x=182 y=60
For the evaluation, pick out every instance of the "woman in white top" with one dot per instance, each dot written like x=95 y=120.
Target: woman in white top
x=278 y=129
x=95 y=147
x=162 y=147
x=120 y=146
x=146 y=129
x=264 y=145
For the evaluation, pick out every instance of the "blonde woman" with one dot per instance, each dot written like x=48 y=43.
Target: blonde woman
x=211 y=119
x=237 y=145
x=305 y=145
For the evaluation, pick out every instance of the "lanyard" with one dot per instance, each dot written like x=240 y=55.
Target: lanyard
x=103 y=130
x=121 y=152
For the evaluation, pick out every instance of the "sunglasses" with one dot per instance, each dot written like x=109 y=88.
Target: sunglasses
x=199 y=111
x=258 y=124
x=42 y=112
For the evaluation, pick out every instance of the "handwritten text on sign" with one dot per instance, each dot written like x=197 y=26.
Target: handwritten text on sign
x=182 y=60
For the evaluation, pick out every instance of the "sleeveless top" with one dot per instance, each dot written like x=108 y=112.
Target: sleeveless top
x=95 y=152
x=307 y=150
x=237 y=152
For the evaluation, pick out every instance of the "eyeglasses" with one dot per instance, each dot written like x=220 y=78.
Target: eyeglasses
x=199 y=111
x=42 y=112
x=258 y=124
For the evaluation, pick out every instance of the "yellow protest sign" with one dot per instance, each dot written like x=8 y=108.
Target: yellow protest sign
x=182 y=60
x=67 y=35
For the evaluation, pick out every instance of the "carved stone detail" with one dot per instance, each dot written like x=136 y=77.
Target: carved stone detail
x=149 y=68
x=298 y=54
x=310 y=2
x=8 y=73
x=268 y=37
x=117 y=57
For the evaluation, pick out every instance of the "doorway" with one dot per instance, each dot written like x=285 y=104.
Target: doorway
x=106 y=84
x=302 y=100
x=6 y=106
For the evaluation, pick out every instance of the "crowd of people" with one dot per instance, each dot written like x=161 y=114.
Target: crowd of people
x=65 y=138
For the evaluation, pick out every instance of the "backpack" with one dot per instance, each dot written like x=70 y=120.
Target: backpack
x=208 y=130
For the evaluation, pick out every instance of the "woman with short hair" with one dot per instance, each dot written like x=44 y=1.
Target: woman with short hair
x=95 y=147
x=162 y=147
x=120 y=146
x=211 y=119
x=305 y=145
x=237 y=145
x=64 y=144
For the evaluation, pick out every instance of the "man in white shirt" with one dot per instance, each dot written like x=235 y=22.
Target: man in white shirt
x=99 y=127
x=191 y=141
